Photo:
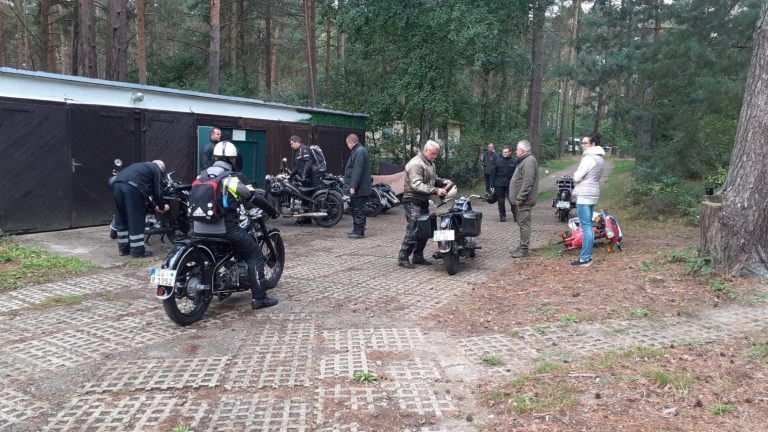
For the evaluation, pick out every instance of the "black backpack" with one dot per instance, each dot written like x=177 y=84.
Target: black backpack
x=204 y=202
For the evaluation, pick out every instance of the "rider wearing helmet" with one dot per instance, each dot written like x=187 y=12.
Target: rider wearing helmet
x=236 y=190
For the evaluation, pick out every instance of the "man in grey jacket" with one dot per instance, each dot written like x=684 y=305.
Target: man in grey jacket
x=524 y=187
x=421 y=181
x=357 y=177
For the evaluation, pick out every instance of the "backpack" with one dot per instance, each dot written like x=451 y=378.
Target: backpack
x=317 y=154
x=203 y=197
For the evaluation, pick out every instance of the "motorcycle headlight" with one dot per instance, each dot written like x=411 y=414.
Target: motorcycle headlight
x=276 y=189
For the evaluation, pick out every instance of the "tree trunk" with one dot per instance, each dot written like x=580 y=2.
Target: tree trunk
x=233 y=39
x=273 y=60
x=75 y=59
x=598 y=113
x=22 y=48
x=646 y=127
x=484 y=99
x=2 y=34
x=310 y=7
x=141 y=42
x=88 y=38
x=566 y=82
x=48 y=60
x=327 y=77
x=735 y=233
x=117 y=41
x=533 y=119
x=214 y=53
x=268 y=62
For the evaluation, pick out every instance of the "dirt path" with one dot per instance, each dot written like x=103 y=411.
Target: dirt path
x=114 y=361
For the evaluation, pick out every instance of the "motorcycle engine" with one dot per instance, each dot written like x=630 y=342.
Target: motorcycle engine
x=234 y=275
x=296 y=205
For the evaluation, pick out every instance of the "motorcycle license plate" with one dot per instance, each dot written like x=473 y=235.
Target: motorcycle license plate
x=563 y=204
x=444 y=235
x=162 y=277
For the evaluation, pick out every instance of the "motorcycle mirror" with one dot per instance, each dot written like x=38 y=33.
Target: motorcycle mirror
x=118 y=162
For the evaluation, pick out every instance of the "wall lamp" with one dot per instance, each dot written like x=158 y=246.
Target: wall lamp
x=137 y=96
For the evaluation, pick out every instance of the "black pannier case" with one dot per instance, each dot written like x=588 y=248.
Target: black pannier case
x=425 y=226
x=471 y=223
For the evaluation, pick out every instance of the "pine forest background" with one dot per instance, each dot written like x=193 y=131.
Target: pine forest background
x=661 y=81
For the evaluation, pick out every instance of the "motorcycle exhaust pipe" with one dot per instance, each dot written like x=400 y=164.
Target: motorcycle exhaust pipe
x=317 y=214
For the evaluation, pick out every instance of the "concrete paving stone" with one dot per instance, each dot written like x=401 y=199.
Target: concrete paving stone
x=159 y=374
x=276 y=334
x=500 y=345
x=261 y=411
x=354 y=398
x=741 y=317
x=272 y=366
x=9 y=304
x=16 y=407
x=374 y=338
x=136 y=413
x=42 y=354
x=419 y=397
x=411 y=369
x=344 y=365
x=14 y=369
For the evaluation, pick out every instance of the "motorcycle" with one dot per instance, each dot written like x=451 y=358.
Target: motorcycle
x=604 y=226
x=388 y=197
x=197 y=269
x=381 y=198
x=455 y=231
x=167 y=224
x=563 y=201
x=324 y=206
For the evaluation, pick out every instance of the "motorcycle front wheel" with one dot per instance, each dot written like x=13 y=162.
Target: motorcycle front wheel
x=273 y=263
x=563 y=214
x=451 y=260
x=179 y=307
x=331 y=203
x=373 y=205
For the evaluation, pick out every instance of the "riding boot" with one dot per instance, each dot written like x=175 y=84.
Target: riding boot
x=259 y=297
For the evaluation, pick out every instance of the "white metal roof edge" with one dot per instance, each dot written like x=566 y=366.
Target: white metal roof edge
x=25 y=92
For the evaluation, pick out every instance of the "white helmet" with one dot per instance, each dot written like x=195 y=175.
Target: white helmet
x=225 y=149
x=452 y=193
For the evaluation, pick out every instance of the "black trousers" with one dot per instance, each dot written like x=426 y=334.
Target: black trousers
x=130 y=213
x=411 y=245
x=247 y=249
x=357 y=208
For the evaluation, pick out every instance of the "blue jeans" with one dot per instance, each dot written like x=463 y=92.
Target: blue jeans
x=587 y=236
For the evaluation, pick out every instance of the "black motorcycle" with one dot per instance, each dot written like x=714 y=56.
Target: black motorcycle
x=197 y=269
x=325 y=206
x=562 y=202
x=454 y=231
x=171 y=224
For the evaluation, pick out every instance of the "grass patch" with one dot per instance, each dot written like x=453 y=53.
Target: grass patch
x=21 y=266
x=680 y=383
x=60 y=300
x=546 y=367
x=364 y=377
x=492 y=361
x=759 y=351
x=570 y=319
x=720 y=409
x=721 y=290
x=692 y=342
x=546 y=397
x=639 y=313
x=694 y=261
x=180 y=429
x=553 y=165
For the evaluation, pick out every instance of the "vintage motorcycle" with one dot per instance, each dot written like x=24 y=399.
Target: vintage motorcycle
x=381 y=198
x=454 y=231
x=197 y=269
x=324 y=206
x=563 y=201
x=171 y=224
x=604 y=226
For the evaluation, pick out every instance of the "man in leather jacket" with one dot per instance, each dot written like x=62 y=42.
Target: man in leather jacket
x=236 y=190
x=207 y=159
x=136 y=189
x=421 y=181
x=304 y=166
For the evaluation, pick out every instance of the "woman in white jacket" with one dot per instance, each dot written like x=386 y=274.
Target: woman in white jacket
x=587 y=191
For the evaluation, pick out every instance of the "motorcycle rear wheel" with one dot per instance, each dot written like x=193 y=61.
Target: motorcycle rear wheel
x=451 y=260
x=273 y=264
x=331 y=203
x=563 y=214
x=373 y=205
x=181 y=309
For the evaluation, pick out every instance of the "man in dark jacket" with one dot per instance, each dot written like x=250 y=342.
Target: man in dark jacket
x=502 y=174
x=357 y=177
x=207 y=159
x=489 y=161
x=136 y=189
